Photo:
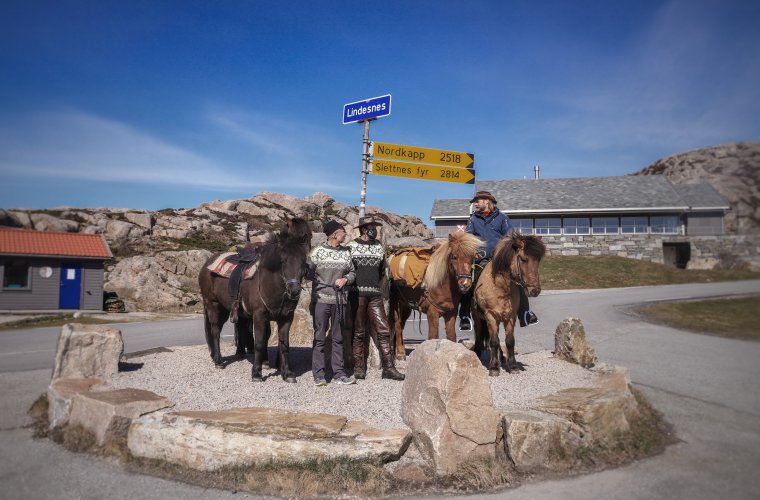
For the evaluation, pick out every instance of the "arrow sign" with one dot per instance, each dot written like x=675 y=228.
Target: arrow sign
x=367 y=109
x=423 y=155
x=422 y=171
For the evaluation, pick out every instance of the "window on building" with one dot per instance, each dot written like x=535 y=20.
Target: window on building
x=16 y=275
x=604 y=225
x=549 y=226
x=665 y=224
x=576 y=225
x=523 y=226
x=633 y=225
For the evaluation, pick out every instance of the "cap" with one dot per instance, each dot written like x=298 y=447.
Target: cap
x=331 y=227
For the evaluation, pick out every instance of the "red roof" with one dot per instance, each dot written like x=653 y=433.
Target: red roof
x=28 y=242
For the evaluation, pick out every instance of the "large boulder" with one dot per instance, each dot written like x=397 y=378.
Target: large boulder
x=108 y=414
x=60 y=394
x=570 y=343
x=448 y=405
x=47 y=222
x=86 y=351
x=210 y=440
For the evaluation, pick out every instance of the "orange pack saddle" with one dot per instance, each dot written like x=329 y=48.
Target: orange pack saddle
x=408 y=265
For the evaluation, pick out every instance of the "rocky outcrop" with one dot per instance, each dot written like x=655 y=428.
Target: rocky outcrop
x=143 y=241
x=448 y=405
x=570 y=343
x=166 y=280
x=210 y=440
x=88 y=351
x=732 y=169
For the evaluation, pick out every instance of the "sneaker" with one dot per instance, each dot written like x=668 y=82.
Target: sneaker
x=345 y=380
x=464 y=324
x=320 y=382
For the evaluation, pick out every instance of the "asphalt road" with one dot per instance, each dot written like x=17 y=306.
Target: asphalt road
x=706 y=386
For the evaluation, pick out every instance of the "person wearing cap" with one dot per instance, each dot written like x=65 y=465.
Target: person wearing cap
x=489 y=224
x=368 y=258
x=332 y=272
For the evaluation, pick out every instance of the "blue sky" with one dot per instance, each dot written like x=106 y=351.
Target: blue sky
x=156 y=104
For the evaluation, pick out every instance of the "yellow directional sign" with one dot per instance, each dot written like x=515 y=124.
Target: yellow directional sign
x=421 y=171
x=423 y=155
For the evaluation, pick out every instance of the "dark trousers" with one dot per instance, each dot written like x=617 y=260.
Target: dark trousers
x=371 y=310
x=324 y=315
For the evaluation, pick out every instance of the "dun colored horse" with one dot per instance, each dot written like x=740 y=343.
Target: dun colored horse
x=271 y=295
x=447 y=277
x=496 y=297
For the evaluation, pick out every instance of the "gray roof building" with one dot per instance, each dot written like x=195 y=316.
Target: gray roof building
x=624 y=194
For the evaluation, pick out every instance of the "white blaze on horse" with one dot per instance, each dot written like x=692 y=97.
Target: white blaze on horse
x=496 y=297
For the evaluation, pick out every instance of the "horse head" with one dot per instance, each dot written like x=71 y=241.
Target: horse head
x=453 y=258
x=462 y=250
x=519 y=256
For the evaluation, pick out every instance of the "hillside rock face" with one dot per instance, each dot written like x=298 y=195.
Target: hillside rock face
x=158 y=254
x=732 y=169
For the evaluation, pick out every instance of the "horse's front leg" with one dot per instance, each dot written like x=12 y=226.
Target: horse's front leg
x=396 y=321
x=449 y=320
x=260 y=325
x=283 y=360
x=494 y=365
x=214 y=317
x=432 y=318
x=509 y=340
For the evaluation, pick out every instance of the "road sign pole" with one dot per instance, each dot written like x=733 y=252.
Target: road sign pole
x=365 y=168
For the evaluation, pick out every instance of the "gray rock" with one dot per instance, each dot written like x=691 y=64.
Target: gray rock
x=448 y=405
x=209 y=440
x=60 y=394
x=570 y=343
x=108 y=414
x=86 y=351
x=46 y=222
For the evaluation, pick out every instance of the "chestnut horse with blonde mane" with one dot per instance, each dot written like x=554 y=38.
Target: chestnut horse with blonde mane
x=496 y=297
x=448 y=276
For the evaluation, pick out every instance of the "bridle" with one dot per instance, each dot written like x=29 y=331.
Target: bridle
x=286 y=297
x=520 y=281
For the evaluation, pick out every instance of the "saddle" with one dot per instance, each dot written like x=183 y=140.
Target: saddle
x=236 y=266
x=408 y=266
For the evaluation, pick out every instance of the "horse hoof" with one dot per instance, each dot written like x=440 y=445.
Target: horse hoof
x=493 y=373
x=289 y=379
x=220 y=366
x=257 y=378
x=265 y=365
x=400 y=357
x=239 y=355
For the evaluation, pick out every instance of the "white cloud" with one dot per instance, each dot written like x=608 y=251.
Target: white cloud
x=76 y=145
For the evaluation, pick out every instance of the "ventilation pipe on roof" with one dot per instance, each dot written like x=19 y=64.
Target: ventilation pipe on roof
x=536 y=172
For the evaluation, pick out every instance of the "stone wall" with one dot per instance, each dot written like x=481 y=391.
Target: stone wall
x=707 y=252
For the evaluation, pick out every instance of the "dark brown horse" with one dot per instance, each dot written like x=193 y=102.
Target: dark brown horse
x=447 y=277
x=496 y=297
x=271 y=295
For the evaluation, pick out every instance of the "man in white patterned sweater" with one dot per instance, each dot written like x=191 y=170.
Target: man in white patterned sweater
x=368 y=259
x=332 y=272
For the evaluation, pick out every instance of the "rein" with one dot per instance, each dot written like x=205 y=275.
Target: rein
x=285 y=295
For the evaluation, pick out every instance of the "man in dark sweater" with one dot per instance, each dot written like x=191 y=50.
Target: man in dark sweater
x=368 y=259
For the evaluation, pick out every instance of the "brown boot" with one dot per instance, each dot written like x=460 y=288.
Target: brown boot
x=360 y=363
x=389 y=370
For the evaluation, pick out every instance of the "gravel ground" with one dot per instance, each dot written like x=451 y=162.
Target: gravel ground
x=187 y=376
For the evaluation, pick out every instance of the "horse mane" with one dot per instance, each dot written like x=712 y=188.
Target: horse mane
x=295 y=236
x=507 y=247
x=463 y=245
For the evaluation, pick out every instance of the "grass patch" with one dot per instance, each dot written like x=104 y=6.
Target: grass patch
x=562 y=273
x=730 y=317
x=480 y=475
x=52 y=320
x=39 y=413
x=314 y=478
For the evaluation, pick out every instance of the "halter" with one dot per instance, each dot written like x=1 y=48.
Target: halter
x=520 y=281
x=285 y=295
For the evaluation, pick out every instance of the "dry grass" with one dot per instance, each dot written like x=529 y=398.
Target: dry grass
x=730 y=317
x=39 y=413
x=562 y=273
